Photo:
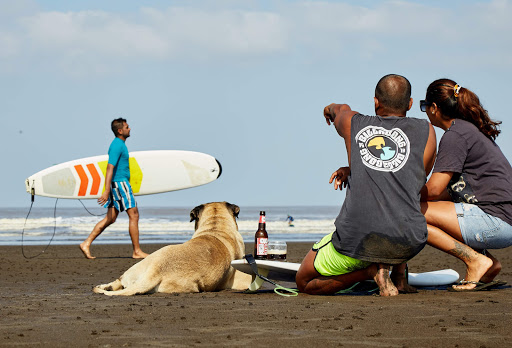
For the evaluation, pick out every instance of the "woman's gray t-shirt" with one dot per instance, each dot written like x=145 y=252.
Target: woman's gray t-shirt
x=482 y=175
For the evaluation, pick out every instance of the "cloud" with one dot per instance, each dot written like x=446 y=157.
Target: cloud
x=92 y=31
x=468 y=34
x=101 y=41
x=175 y=33
x=224 y=32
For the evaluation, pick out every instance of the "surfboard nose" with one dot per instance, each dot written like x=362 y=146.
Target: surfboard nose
x=220 y=168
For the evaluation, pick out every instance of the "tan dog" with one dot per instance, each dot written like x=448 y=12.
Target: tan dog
x=201 y=264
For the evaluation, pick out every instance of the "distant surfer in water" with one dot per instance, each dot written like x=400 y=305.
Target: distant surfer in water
x=118 y=195
x=380 y=223
x=290 y=220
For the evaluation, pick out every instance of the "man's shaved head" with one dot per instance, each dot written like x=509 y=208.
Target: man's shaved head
x=394 y=93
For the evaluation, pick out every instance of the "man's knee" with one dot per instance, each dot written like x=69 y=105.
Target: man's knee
x=110 y=220
x=301 y=281
x=111 y=217
x=306 y=272
x=133 y=214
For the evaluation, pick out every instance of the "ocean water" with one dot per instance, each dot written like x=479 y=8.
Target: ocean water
x=67 y=226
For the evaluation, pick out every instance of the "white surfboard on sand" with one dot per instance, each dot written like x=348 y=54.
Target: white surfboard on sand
x=150 y=172
x=286 y=271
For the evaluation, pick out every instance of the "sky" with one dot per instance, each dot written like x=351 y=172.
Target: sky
x=244 y=81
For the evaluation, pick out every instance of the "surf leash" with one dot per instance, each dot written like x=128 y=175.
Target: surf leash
x=280 y=290
x=23 y=231
x=32 y=196
x=89 y=211
x=348 y=290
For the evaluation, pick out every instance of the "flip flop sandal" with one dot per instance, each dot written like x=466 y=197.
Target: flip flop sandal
x=497 y=284
x=479 y=286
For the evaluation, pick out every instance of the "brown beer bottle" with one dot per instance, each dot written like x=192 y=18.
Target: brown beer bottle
x=261 y=239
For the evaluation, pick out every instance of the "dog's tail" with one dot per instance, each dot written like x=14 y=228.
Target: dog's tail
x=132 y=290
x=97 y=289
x=116 y=289
x=115 y=285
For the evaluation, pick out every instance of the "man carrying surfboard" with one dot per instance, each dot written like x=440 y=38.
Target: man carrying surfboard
x=118 y=195
x=380 y=223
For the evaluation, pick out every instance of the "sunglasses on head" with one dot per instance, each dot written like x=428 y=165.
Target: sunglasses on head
x=424 y=104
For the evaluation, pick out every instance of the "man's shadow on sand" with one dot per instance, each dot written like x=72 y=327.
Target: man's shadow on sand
x=369 y=288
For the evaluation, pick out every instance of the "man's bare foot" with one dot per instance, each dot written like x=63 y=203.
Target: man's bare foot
x=407 y=289
x=85 y=250
x=386 y=286
x=139 y=255
x=476 y=268
x=399 y=278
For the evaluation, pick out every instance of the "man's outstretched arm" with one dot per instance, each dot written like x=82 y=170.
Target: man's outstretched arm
x=340 y=115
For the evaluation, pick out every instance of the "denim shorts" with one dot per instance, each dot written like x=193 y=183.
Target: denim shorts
x=481 y=230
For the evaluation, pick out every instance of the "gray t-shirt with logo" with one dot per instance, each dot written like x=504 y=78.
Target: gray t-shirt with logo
x=381 y=219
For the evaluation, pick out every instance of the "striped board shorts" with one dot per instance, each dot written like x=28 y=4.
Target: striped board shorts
x=121 y=196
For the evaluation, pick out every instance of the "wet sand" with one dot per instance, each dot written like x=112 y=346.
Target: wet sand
x=47 y=302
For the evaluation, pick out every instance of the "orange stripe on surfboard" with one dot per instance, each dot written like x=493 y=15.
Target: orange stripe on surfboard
x=84 y=181
x=96 y=179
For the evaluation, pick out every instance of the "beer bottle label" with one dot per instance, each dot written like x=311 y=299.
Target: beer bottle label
x=262 y=219
x=261 y=246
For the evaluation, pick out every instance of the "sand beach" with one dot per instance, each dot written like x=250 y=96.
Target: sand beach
x=47 y=302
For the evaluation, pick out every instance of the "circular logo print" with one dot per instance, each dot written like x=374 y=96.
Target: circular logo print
x=383 y=149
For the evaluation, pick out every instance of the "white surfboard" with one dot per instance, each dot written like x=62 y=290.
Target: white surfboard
x=286 y=271
x=150 y=172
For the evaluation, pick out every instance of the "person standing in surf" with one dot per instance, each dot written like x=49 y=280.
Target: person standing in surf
x=380 y=223
x=118 y=195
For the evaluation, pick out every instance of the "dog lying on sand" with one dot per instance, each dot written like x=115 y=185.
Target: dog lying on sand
x=201 y=264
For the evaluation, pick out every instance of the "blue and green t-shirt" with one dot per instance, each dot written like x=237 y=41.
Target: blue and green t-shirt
x=118 y=156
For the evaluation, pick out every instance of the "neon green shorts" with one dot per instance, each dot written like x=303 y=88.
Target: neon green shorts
x=329 y=262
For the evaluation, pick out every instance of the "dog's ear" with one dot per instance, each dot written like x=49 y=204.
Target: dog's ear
x=234 y=208
x=194 y=213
